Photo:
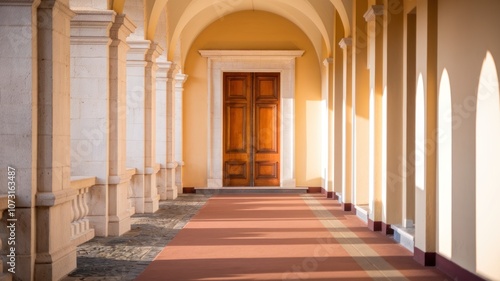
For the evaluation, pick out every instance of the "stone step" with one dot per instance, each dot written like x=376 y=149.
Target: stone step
x=252 y=190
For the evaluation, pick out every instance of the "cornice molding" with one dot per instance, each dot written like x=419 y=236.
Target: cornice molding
x=251 y=53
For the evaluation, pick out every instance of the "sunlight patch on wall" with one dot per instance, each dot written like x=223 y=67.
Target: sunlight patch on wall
x=420 y=135
x=371 y=145
x=314 y=127
x=488 y=171
x=384 y=152
x=445 y=166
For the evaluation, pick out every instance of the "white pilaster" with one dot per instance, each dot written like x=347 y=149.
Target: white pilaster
x=172 y=164
x=329 y=125
x=347 y=126
x=377 y=160
x=161 y=124
x=180 y=79
x=141 y=135
x=119 y=180
x=151 y=196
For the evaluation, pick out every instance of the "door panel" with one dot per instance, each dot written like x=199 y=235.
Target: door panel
x=251 y=129
x=237 y=129
x=266 y=129
x=266 y=125
x=237 y=135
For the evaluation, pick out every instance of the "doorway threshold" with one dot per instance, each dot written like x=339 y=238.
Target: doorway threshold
x=251 y=190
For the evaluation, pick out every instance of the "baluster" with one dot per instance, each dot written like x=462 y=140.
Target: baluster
x=74 y=224
x=85 y=207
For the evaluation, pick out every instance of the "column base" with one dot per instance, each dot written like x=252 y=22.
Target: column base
x=151 y=196
x=56 y=265
x=172 y=192
x=386 y=229
x=348 y=207
x=119 y=225
x=98 y=211
x=178 y=177
x=214 y=183
x=161 y=182
x=424 y=258
x=374 y=225
x=119 y=209
x=138 y=193
x=151 y=205
x=289 y=183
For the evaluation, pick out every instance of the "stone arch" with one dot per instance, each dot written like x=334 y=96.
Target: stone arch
x=205 y=12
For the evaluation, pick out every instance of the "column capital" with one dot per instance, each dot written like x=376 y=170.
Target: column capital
x=174 y=68
x=373 y=12
x=163 y=67
x=155 y=50
x=345 y=42
x=57 y=4
x=122 y=28
x=180 y=78
x=172 y=165
x=138 y=50
x=327 y=61
x=91 y=26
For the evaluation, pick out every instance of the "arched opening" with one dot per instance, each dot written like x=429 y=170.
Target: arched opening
x=251 y=30
x=488 y=170
x=200 y=14
x=445 y=166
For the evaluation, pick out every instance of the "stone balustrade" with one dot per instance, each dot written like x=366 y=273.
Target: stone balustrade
x=3 y=236
x=80 y=226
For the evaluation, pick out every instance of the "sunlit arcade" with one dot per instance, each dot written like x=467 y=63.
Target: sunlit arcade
x=387 y=109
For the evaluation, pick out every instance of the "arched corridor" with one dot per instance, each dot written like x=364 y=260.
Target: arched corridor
x=386 y=109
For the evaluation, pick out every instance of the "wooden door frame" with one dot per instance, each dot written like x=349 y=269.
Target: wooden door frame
x=220 y=61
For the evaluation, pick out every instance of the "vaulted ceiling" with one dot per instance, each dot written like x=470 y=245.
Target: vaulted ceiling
x=186 y=19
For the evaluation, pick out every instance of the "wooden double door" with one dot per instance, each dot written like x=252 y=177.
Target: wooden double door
x=251 y=129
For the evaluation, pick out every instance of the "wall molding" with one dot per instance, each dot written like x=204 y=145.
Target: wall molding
x=220 y=61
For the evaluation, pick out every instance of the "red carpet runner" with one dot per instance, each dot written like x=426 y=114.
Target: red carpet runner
x=281 y=237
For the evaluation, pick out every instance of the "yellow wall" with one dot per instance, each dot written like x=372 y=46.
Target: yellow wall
x=467 y=31
x=254 y=30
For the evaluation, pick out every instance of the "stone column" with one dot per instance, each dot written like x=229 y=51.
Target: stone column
x=328 y=64
x=180 y=79
x=141 y=97
x=161 y=124
x=18 y=120
x=426 y=127
x=392 y=190
x=89 y=107
x=119 y=213
x=347 y=129
x=151 y=196
x=98 y=115
x=361 y=102
x=171 y=188
x=338 y=80
x=55 y=253
x=375 y=22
